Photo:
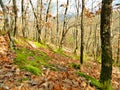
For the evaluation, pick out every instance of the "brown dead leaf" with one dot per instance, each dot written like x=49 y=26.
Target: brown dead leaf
x=90 y=88
x=1 y=88
x=74 y=88
x=57 y=87
x=83 y=84
x=67 y=81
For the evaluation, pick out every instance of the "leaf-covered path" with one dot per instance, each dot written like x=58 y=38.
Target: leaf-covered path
x=58 y=73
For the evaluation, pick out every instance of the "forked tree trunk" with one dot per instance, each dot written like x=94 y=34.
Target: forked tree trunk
x=64 y=25
x=106 y=67
x=37 y=22
x=6 y=24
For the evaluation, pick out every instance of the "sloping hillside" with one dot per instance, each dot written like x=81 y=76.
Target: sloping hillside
x=39 y=67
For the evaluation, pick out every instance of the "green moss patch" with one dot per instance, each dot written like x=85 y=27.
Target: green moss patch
x=92 y=80
x=40 y=45
x=31 y=60
x=61 y=52
x=74 y=65
x=32 y=69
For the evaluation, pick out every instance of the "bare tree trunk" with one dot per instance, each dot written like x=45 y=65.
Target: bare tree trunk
x=6 y=24
x=37 y=23
x=106 y=67
x=40 y=21
x=118 y=51
x=57 y=28
x=77 y=2
x=15 y=17
x=95 y=43
x=64 y=25
x=41 y=3
x=82 y=33
x=23 y=18
x=89 y=37
x=48 y=10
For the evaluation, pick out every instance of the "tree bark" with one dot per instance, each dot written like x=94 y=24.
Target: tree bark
x=6 y=24
x=106 y=67
x=64 y=25
x=82 y=33
x=77 y=3
x=23 y=18
x=118 y=51
x=15 y=17
x=48 y=10
x=37 y=23
x=57 y=28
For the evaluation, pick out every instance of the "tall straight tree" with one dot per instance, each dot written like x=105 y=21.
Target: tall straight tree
x=118 y=51
x=77 y=4
x=23 y=17
x=57 y=26
x=82 y=32
x=41 y=8
x=15 y=16
x=106 y=67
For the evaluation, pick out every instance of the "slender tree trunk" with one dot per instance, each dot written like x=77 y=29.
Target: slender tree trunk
x=37 y=23
x=15 y=17
x=106 y=67
x=95 y=42
x=40 y=27
x=82 y=33
x=57 y=28
x=48 y=10
x=6 y=24
x=89 y=37
x=77 y=2
x=64 y=25
x=23 y=18
x=118 y=51
x=22 y=10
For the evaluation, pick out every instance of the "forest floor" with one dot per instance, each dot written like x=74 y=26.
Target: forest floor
x=38 y=67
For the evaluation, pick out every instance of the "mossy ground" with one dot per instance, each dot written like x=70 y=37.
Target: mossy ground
x=32 y=60
x=61 y=52
x=92 y=80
